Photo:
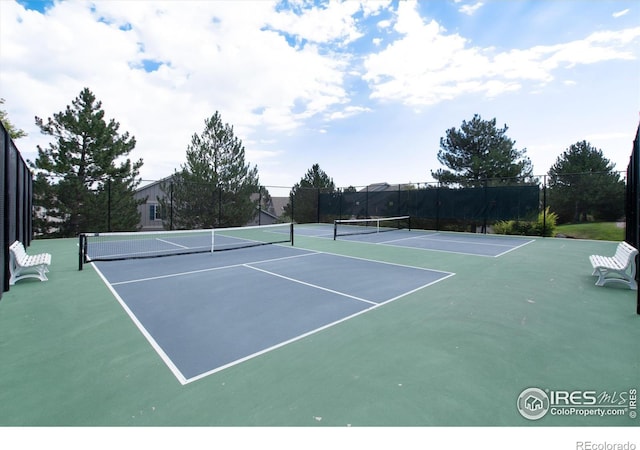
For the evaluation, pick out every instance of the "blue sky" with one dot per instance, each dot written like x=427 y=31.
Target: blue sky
x=365 y=89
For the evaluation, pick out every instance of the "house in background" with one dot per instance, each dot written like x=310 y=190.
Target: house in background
x=151 y=215
x=271 y=213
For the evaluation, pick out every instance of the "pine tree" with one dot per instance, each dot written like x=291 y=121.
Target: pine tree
x=14 y=133
x=214 y=187
x=82 y=183
x=303 y=198
x=584 y=185
x=479 y=151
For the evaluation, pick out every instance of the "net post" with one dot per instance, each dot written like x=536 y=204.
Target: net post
x=81 y=250
x=213 y=234
x=335 y=229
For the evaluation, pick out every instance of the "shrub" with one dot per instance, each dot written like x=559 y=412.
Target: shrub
x=502 y=227
x=540 y=227
x=546 y=228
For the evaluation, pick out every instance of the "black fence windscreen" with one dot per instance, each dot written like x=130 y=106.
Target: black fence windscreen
x=632 y=205
x=3 y=235
x=16 y=181
x=440 y=204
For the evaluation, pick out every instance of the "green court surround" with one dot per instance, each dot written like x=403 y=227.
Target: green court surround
x=457 y=353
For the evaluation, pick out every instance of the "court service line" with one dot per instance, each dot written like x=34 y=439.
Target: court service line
x=380 y=261
x=509 y=248
x=208 y=269
x=407 y=238
x=171 y=243
x=310 y=284
x=473 y=241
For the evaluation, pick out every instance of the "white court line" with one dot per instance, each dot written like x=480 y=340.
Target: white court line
x=515 y=248
x=428 y=237
x=279 y=345
x=384 y=262
x=408 y=238
x=373 y=305
x=172 y=367
x=311 y=285
x=418 y=288
x=475 y=241
x=171 y=243
x=208 y=269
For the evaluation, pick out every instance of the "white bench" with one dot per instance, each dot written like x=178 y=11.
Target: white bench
x=620 y=267
x=22 y=265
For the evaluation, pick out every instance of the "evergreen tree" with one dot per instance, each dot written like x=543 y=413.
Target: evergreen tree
x=14 y=133
x=479 y=152
x=214 y=187
x=303 y=198
x=584 y=185
x=82 y=181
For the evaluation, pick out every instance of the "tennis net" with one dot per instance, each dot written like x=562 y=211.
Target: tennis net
x=152 y=244
x=346 y=227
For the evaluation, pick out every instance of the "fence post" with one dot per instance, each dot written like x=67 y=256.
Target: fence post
x=259 y=204
x=366 y=203
x=109 y=204
x=438 y=202
x=544 y=205
x=171 y=205
x=318 y=205
x=486 y=207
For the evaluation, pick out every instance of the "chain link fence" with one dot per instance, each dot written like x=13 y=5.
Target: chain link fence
x=571 y=198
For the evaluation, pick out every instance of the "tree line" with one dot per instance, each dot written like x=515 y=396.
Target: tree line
x=85 y=171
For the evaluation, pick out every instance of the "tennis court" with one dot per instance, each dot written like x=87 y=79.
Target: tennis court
x=461 y=243
x=399 y=328
x=205 y=312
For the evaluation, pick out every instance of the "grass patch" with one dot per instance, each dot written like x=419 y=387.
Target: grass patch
x=605 y=231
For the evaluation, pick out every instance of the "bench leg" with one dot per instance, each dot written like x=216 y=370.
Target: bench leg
x=38 y=272
x=601 y=277
x=617 y=277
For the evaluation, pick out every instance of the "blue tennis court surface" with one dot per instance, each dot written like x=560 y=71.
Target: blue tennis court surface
x=461 y=243
x=205 y=312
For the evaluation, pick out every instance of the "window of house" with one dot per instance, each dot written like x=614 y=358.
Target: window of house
x=154 y=212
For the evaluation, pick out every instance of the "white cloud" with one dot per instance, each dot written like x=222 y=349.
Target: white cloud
x=215 y=56
x=347 y=112
x=276 y=75
x=621 y=13
x=470 y=9
x=427 y=65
